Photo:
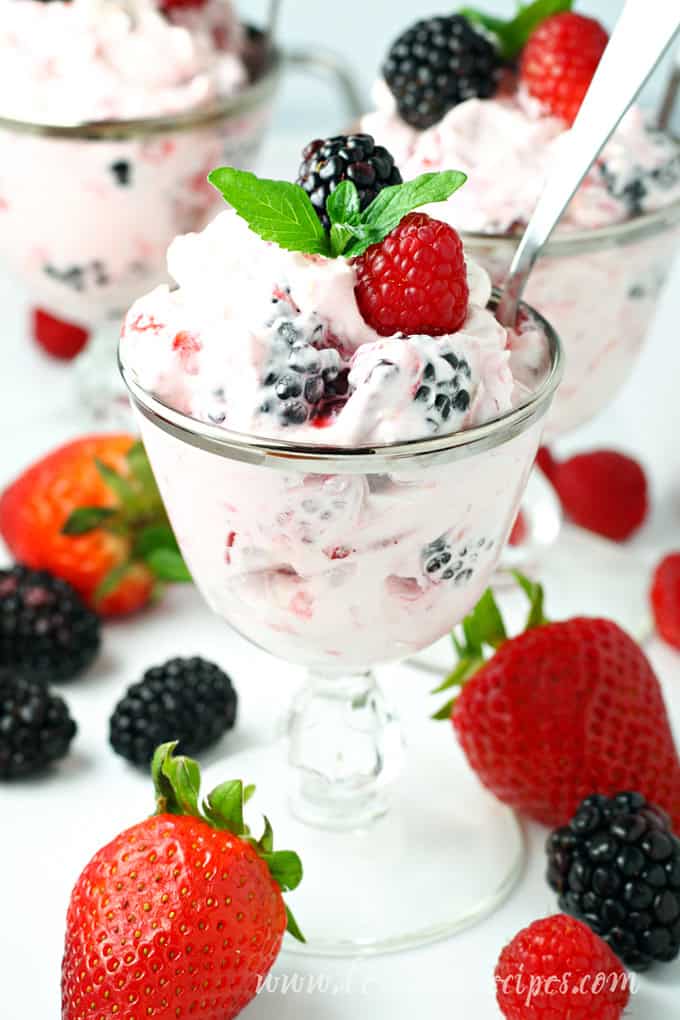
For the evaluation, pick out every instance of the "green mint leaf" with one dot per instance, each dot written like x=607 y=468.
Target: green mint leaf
x=285 y=867
x=167 y=565
x=277 y=211
x=343 y=205
x=512 y=35
x=292 y=927
x=87 y=518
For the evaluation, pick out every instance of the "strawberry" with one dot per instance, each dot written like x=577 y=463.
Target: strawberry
x=180 y=915
x=558 y=969
x=602 y=491
x=562 y=711
x=560 y=59
x=665 y=596
x=90 y=512
x=61 y=339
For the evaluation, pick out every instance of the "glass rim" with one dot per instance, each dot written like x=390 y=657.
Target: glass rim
x=376 y=458
x=251 y=97
x=577 y=241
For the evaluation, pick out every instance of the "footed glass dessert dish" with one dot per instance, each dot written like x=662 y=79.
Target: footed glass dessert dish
x=344 y=559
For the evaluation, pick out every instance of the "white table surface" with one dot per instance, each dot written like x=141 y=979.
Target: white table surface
x=50 y=828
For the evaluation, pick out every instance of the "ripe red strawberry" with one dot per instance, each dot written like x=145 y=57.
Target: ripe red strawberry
x=562 y=711
x=560 y=59
x=90 y=512
x=59 y=338
x=603 y=491
x=666 y=599
x=415 y=280
x=558 y=969
x=181 y=915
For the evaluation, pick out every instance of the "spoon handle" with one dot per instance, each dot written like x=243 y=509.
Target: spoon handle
x=643 y=33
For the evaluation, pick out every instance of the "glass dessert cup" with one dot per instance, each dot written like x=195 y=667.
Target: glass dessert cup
x=316 y=554
x=87 y=242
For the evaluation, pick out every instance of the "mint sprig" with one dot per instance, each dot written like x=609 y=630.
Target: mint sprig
x=282 y=212
x=512 y=35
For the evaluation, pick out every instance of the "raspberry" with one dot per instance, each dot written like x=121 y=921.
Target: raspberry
x=328 y=161
x=603 y=491
x=666 y=599
x=415 y=280
x=559 y=61
x=558 y=968
x=59 y=338
x=438 y=63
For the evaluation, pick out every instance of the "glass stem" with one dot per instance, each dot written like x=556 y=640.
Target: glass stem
x=345 y=750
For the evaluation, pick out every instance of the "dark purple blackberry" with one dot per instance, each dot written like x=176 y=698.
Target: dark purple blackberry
x=122 y=172
x=328 y=161
x=616 y=867
x=443 y=560
x=189 y=700
x=301 y=382
x=46 y=630
x=35 y=726
x=634 y=186
x=442 y=390
x=438 y=63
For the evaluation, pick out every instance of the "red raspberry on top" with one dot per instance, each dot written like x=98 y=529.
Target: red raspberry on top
x=560 y=59
x=557 y=968
x=666 y=599
x=414 y=281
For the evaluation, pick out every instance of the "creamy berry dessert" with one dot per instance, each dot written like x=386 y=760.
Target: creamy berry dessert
x=324 y=333
x=111 y=115
x=497 y=99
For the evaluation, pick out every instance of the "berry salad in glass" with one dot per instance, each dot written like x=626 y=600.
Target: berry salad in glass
x=342 y=432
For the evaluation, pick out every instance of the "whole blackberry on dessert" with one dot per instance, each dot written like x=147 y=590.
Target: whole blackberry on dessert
x=616 y=867
x=46 y=630
x=187 y=700
x=438 y=63
x=327 y=162
x=36 y=728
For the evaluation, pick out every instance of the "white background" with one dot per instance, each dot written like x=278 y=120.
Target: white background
x=48 y=829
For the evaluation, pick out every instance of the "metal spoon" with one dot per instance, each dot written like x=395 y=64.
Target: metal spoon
x=643 y=33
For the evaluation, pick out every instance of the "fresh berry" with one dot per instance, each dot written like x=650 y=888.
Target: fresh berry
x=559 y=61
x=168 y=6
x=90 y=512
x=46 y=631
x=558 y=969
x=603 y=491
x=446 y=560
x=122 y=172
x=35 y=726
x=302 y=382
x=636 y=186
x=438 y=63
x=186 y=700
x=328 y=161
x=58 y=337
x=616 y=867
x=444 y=388
x=415 y=280
x=182 y=914
x=666 y=599
x=559 y=712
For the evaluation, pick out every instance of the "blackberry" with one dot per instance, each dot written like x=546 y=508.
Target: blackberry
x=35 y=726
x=301 y=382
x=328 y=161
x=442 y=390
x=443 y=560
x=438 y=63
x=634 y=186
x=189 y=700
x=616 y=867
x=46 y=630
x=122 y=172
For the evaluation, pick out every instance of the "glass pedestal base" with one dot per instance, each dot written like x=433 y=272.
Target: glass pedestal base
x=444 y=855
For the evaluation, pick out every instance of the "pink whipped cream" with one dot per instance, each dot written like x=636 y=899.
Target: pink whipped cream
x=65 y=62
x=508 y=145
x=270 y=342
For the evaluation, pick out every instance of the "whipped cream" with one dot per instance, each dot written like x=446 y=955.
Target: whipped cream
x=270 y=342
x=508 y=146
x=64 y=62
